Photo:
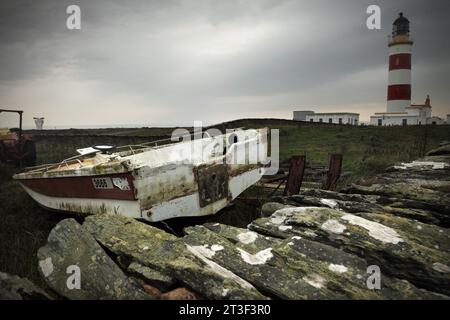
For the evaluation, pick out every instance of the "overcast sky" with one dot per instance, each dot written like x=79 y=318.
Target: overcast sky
x=172 y=62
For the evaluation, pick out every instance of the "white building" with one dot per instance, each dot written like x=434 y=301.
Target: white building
x=392 y=119
x=436 y=120
x=415 y=114
x=329 y=117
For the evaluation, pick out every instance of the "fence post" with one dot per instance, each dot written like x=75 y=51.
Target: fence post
x=334 y=172
x=295 y=175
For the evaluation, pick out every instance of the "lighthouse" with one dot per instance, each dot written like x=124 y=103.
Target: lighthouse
x=399 y=110
x=399 y=83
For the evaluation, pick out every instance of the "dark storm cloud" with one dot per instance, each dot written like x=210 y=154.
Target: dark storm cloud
x=161 y=58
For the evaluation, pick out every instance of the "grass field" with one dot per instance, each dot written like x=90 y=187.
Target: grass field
x=366 y=150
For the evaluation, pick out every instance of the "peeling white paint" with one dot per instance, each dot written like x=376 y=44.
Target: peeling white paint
x=247 y=237
x=145 y=248
x=376 y=230
x=290 y=243
x=125 y=208
x=337 y=268
x=333 y=226
x=260 y=257
x=315 y=280
x=284 y=228
x=440 y=267
x=329 y=203
x=46 y=266
x=121 y=183
x=296 y=238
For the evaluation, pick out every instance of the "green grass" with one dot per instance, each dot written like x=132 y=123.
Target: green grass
x=366 y=151
x=24 y=228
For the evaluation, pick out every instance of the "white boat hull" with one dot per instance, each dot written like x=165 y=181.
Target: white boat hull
x=158 y=184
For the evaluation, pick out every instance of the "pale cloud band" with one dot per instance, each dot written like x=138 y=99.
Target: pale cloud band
x=171 y=62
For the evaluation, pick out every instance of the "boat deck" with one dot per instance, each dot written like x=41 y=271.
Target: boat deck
x=68 y=165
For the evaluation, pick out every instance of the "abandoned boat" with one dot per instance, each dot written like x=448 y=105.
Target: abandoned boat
x=152 y=181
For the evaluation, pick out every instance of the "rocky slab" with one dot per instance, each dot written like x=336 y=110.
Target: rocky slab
x=71 y=249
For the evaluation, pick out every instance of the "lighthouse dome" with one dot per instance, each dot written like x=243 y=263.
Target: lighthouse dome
x=400 y=26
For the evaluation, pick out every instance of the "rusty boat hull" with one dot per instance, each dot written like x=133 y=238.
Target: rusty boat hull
x=189 y=178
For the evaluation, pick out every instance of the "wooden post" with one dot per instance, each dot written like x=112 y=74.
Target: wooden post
x=334 y=172
x=295 y=176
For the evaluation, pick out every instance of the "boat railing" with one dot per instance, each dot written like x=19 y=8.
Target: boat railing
x=133 y=148
x=49 y=166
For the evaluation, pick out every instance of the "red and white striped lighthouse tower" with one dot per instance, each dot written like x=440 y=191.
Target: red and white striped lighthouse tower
x=399 y=86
